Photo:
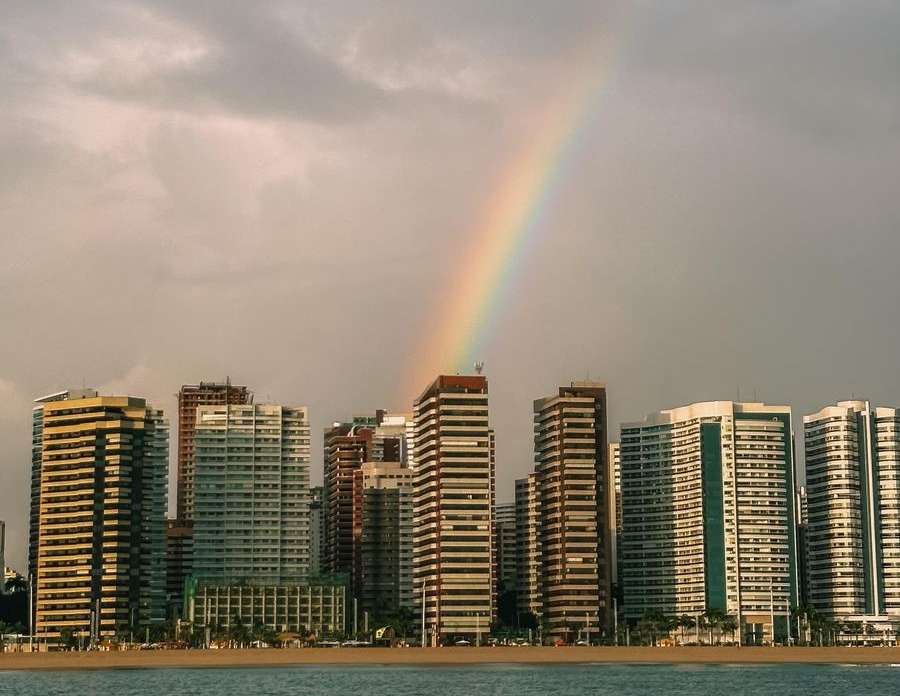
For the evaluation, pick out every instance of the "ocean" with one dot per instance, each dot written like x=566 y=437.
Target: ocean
x=496 y=680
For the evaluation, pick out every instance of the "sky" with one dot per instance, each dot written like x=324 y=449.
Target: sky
x=294 y=195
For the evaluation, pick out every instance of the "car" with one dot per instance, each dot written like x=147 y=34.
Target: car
x=581 y=642
x=462 y=641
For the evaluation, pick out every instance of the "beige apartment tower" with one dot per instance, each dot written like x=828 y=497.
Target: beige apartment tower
x=570 y=453
x=101 y=548
x=453 y=500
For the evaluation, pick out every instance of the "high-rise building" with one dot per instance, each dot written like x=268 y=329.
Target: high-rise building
x=453 y=555
x=189 y=398
x=316 y=531
x=853 y=515
x=383 y=437
x=382 y=530
x=614 y=508
x=570 y=452
x=505 y=544
x=708 y=514
x=101 y=522
x=37 y=435
x=529 y=595
x=346 y=447
x=179 y=564
x=251 y=505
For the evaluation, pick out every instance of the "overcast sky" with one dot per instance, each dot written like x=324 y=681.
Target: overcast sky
x=285 y=192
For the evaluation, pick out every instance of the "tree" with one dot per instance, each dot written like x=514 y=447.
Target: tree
x=713 y=620
x=16 y=584
x=67 y=638
x=729 y=624
x=685 y=622
x=238 y=633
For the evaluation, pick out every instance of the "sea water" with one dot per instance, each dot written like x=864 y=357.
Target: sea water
x=499 y=680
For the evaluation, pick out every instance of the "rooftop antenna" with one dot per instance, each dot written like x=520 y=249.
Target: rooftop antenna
x=479 y=367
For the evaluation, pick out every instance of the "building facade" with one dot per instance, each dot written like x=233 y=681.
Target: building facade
x=529 y=594
x=346 y=447
x=382 y=530
x=179 y=564
x=505 y=544
x=614 y=509
x=853 y=511
x=708 y=495
x=453 y=500
x=101 y=546
x=190 y=396
x=37 y=445
x=318 y=608
x=316 y=531
x=251 y=511
x=570 y=451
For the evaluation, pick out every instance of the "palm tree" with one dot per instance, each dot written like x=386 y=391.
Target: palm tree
x=685 y=621
x=713 y=619
x=16 y=584
x=729 y=624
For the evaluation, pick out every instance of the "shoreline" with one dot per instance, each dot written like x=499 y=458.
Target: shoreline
x=442 y=657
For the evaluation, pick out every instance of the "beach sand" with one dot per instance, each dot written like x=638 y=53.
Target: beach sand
x=442 y=656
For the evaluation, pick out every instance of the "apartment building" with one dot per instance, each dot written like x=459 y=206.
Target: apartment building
x=251 y=509
x=708 y=496
x=453 y=500
x=529 y=593
x=382 y=530
x=570 y=451
x=852 y=529
x=101 y=548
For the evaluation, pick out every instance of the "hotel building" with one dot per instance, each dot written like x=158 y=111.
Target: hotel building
x=101 y=548
x=570 y=452
x=708 y=495
x=453 y=554
x=853 y=511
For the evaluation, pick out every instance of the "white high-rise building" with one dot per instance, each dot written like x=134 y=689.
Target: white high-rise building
x=251 y=499
x=853 y=502
x=708 y=515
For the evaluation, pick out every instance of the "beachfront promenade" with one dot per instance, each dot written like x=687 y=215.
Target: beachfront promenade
x=443 y=656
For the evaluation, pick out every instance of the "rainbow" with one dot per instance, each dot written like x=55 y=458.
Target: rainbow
x=508 y=228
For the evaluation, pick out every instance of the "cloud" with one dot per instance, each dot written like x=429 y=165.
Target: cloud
x=284 y=193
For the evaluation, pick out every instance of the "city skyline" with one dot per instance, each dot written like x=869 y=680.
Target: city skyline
x=712 y=186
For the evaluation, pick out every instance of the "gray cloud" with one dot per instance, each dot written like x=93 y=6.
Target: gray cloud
x=285 y=193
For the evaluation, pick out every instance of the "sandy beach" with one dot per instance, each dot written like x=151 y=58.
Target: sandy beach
x=442 y=656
